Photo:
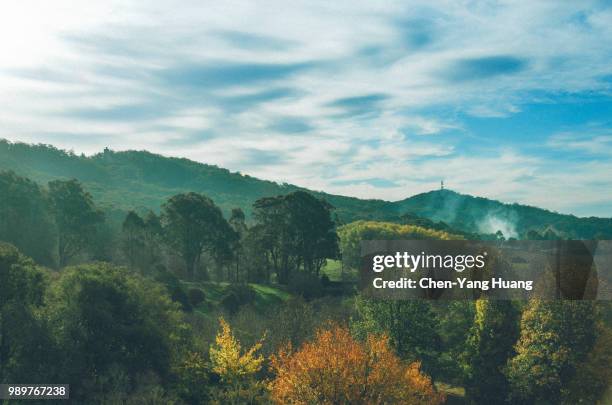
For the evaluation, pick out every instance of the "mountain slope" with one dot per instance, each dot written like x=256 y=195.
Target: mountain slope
x=481 y=215
x=139 y=179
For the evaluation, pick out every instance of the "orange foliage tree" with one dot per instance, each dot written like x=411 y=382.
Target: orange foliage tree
x=337 y=369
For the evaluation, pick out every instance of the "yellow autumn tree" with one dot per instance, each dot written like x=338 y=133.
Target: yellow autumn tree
x=236 y=370
x=337 y=369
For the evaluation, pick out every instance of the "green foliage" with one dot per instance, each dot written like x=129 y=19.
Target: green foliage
x=555 y=337
x=24 y=343
x=76 y=218
x=117 y=337
x=469 y=214
x=352 y=234
x=192 y=223
x=193 y=378
x=174 y=288
x=454 y=319
x=133 y=238
x=141 y=179
x=594 y=374
x=297 y=232
x=141 y=241
x=236 y=296
x=238 y=223
x=110 y=322
x=305 y=285
x=25 y=220
x=489 y=345
x=196 y=296
x=410 y=325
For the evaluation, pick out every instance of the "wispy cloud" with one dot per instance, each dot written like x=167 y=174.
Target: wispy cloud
x=596 y=144
x=482 y=68
x=335 y=96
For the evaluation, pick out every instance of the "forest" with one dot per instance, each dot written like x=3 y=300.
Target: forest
x=123 y=181
x=194 y=303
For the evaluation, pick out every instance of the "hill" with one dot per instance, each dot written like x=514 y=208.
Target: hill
x=484 y=216
x=143 y=180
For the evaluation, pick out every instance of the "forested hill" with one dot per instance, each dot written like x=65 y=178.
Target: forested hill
x=481 y=215
x=139 y=179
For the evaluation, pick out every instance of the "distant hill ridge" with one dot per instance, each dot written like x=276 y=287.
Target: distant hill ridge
x=140 y=179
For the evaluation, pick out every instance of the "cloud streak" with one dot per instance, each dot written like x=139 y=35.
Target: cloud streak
x=374 y=101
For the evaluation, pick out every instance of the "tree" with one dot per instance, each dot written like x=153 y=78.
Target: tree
x=489 y=345
x=192 y=223
x=133 y=228
x=454 y=318
x=410 y=325
x=76 y=218
x=555 y=337
x=352 y=234
x=25 y=220
x=337 y=369
x=300 y=230
x=594 y=374
x=236 y=370
x=112 y=324
x=152 y=239
x=262 y=249
x=25 y=347
x=238 y=224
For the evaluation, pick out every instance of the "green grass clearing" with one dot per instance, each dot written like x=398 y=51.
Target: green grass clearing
x=267 y=295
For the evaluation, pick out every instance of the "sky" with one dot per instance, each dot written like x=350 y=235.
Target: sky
x=504 y=100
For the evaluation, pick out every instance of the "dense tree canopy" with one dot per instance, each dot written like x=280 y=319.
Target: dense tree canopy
x=23 y=343
x=76 y=218
x=410 y=325
x=299 y=231
x=193 y=224
x=488 y=347
x=112 y=324
x=352 y=234
x=145 y=333
x=555 y=337
x=25 y=220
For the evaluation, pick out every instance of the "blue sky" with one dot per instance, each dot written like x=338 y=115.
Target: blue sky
x=506 y=100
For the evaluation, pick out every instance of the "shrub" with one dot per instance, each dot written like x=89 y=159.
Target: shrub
x=175 y=290
x=236 y=296
x=306 y=285
x=196 y=296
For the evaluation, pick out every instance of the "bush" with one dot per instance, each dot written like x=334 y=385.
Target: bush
x=175 y=290
x=196 y=296
x=305 y=285
x=325 y=282
x=236 y=296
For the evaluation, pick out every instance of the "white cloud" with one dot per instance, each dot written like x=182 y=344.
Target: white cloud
x=85 y=75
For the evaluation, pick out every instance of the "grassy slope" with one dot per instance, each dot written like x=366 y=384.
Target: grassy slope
x=267 y=295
